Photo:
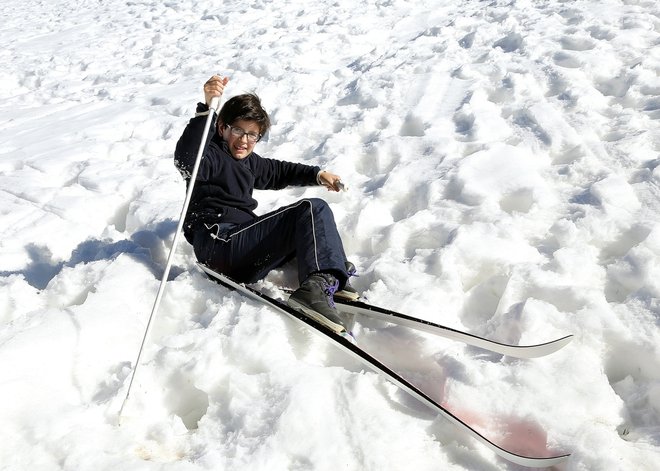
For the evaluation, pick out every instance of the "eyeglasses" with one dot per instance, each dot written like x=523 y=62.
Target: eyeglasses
x=238 y=133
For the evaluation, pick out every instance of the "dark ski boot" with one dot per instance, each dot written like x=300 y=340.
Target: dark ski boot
x=314 y=298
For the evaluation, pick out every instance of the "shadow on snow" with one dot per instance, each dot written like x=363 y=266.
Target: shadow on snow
x=144 y=246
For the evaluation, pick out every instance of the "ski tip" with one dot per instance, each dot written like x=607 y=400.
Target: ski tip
x=543 y=349
x=561 y=342
x=536 y=462
x=566 y=340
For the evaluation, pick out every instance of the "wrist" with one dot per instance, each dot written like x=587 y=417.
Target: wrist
x=202 y=109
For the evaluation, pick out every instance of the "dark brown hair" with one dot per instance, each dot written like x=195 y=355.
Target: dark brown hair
x=245 y=107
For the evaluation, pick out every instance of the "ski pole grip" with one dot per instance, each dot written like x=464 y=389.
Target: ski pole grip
x=215 y=103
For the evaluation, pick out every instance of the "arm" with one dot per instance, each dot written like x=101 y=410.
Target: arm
x=187 y=146
x=276 y=174
x=271 y=174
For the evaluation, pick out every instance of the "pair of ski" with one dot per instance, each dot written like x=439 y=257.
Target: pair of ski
x=361 y=308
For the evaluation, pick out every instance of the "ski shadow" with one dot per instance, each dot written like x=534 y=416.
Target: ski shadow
x=429 y=368
x=145 y=246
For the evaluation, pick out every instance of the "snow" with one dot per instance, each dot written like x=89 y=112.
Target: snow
x=502 y=160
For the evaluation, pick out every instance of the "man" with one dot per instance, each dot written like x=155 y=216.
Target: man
x=228 y=236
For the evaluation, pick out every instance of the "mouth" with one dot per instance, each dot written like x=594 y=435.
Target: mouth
x=240 y=149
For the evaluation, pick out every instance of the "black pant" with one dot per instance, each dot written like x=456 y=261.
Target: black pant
x=246 y=252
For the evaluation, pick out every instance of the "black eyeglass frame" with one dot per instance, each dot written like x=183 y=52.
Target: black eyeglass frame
x=240 y=132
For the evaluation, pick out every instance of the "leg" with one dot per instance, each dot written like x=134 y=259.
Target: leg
x=247 y=252
x=318 y=245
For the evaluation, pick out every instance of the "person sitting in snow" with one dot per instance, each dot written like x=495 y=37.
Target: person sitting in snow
x=229 y=237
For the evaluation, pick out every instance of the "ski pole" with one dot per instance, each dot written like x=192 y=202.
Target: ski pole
x=213 y=107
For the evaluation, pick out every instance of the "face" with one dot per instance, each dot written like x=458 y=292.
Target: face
x=240 y=147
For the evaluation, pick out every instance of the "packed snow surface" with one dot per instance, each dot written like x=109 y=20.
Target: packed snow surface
x=502 y=160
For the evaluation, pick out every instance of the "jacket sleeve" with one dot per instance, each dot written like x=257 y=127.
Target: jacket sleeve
x=188 y=145
x=271 y=174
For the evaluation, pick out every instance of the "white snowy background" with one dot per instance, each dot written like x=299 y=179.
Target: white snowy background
x=502 y=159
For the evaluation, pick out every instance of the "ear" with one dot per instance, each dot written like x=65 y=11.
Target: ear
x=220 y=128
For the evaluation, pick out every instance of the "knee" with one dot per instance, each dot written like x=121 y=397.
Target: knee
x=318 y=205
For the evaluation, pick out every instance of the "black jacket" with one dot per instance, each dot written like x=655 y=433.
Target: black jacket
x=223 y=190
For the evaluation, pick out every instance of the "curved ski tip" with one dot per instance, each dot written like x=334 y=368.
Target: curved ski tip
x=533 y=462
x=562 y=342
x=543 y=349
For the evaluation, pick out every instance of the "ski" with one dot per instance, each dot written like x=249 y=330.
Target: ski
x=381 y=369
x=517 y=351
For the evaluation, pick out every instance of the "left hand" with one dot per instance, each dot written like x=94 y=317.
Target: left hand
x=214 y=87
x=330 y=180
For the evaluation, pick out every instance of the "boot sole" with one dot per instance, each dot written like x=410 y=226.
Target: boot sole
x=317 y=317
x=347 y=296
